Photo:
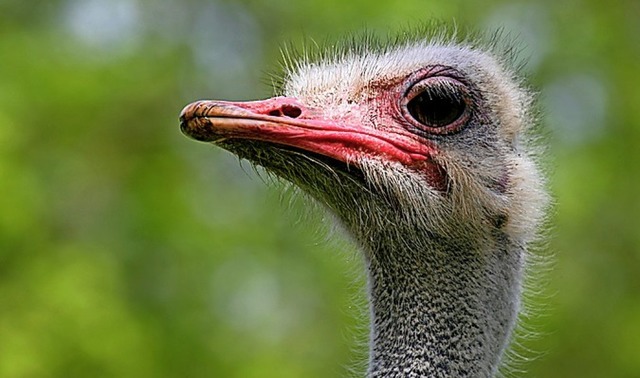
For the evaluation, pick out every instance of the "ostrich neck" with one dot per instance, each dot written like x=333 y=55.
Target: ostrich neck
x=442 y=311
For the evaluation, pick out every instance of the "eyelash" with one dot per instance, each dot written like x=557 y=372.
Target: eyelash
x=437 y=105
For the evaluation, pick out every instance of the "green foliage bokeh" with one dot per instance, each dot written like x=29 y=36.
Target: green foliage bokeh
x=127 y=250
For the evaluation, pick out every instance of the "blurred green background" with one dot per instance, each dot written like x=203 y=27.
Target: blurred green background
x=127 y=250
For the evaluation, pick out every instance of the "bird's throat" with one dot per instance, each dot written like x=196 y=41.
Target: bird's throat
x=442 y=313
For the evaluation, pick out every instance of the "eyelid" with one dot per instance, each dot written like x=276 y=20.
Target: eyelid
x=431 y=84
x=451 y=88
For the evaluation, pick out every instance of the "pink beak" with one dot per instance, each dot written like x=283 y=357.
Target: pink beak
x=285 y=121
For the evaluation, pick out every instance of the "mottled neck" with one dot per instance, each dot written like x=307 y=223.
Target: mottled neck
x=443 y=311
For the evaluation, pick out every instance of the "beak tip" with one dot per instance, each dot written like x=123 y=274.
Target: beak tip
x=183 y=119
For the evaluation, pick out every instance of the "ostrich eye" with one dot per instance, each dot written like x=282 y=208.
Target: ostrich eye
x=438 y=105
x=436 y=109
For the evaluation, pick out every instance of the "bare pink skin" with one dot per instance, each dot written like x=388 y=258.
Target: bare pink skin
x=286 y=121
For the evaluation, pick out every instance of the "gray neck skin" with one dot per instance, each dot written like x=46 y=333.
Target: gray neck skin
x=447 y=311
x=441 y=306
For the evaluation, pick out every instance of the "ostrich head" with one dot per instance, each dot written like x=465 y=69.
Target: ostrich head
x=421 y=151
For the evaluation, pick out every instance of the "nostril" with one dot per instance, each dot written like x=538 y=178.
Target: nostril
x=291 y=111
x=286 y=110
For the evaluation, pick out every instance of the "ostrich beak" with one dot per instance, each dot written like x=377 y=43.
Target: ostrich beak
x=285 y=121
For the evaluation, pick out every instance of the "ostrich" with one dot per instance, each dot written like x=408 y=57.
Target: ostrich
x=423 y=153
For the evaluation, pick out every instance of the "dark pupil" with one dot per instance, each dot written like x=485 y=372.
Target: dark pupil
x=436 y=109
